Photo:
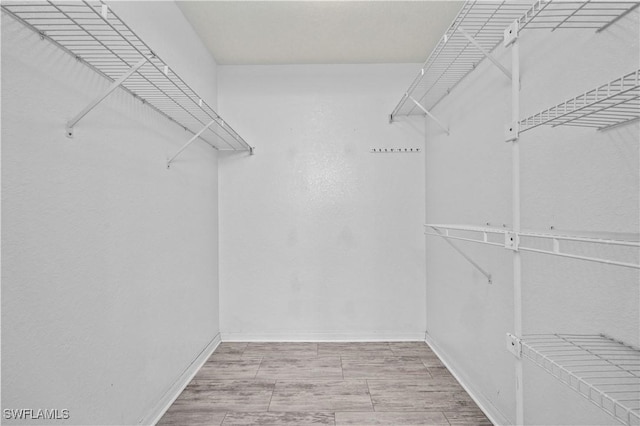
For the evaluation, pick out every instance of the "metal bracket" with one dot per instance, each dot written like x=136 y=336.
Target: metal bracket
x=71 y=123
x=514 y=345
x=484 y=52
x=463 y=254
x=511 y=241
x=419 y=105
x=511 y=33
x=193 y=138
x=512 y=132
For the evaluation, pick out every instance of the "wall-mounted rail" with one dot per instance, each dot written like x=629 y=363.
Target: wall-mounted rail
x=93 y=34
x=568 y=246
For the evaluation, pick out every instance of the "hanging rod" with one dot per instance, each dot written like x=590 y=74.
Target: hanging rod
x=93 y=34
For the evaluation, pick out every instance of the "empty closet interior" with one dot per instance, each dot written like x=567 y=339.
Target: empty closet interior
x=158 y=200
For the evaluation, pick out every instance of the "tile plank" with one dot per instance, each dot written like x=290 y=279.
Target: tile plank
x=325 y=395
x=300 y=368
x=419 y=349
x=196 y=416
x=354 y=349
x=227 y=369
x=281 y=349
x=227 y=395
x=277 y=419
x=391 y=418
x=422 y=401
x=429 y=384
x=228 y=350
x=384 y=367
x=467 y=418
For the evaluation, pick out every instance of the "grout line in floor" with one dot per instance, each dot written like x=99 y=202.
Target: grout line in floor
x=275 y=383
x=446 y=418
x=258 y=370
x=373 y=407
x=427 y=368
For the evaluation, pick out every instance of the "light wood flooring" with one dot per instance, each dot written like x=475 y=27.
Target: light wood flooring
x=395 y=383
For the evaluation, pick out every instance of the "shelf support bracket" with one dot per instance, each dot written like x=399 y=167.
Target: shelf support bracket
x=419 y=105
x=514 y=345
x=190 y=141
x=488 y=55
x=463 y=254
x=71 y=123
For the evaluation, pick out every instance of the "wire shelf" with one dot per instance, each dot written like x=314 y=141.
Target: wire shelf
x=586 y=14
x=604 y=371
x=455 y=55
x=569 y=246
x=612 y=104
x=93 y=34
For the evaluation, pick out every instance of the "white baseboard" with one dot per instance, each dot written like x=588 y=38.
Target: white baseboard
x=490 y=410
x=323 y=336
x=178 y=386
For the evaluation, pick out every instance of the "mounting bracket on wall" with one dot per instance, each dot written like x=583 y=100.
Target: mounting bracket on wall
x=71 y=123
x=514 y=345
x=511 y=33
x=512 y=132
x=511 y=241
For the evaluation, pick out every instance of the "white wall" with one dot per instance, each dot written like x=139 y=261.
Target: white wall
x=109 y=267
x=574 y=179
x=319 y=238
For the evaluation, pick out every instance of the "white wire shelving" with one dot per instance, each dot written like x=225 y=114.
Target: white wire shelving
x=93 y=34
x=612 y=104
x=479 y=28
x=604 y=371
x=551 y=244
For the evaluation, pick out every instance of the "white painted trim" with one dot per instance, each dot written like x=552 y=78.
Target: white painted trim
x=323 y=336
x=490 y=410
x=178 y=386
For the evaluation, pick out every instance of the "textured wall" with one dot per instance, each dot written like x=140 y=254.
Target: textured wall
x=573 y=179
x=319 y=238
x=109 y=260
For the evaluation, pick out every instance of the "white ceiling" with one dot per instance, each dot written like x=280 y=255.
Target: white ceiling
x=319 y=32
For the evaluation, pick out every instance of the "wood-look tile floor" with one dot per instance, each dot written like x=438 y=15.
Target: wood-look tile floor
x=396 y=383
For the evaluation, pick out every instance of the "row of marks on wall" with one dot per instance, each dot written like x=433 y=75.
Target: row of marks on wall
x=394 y=150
